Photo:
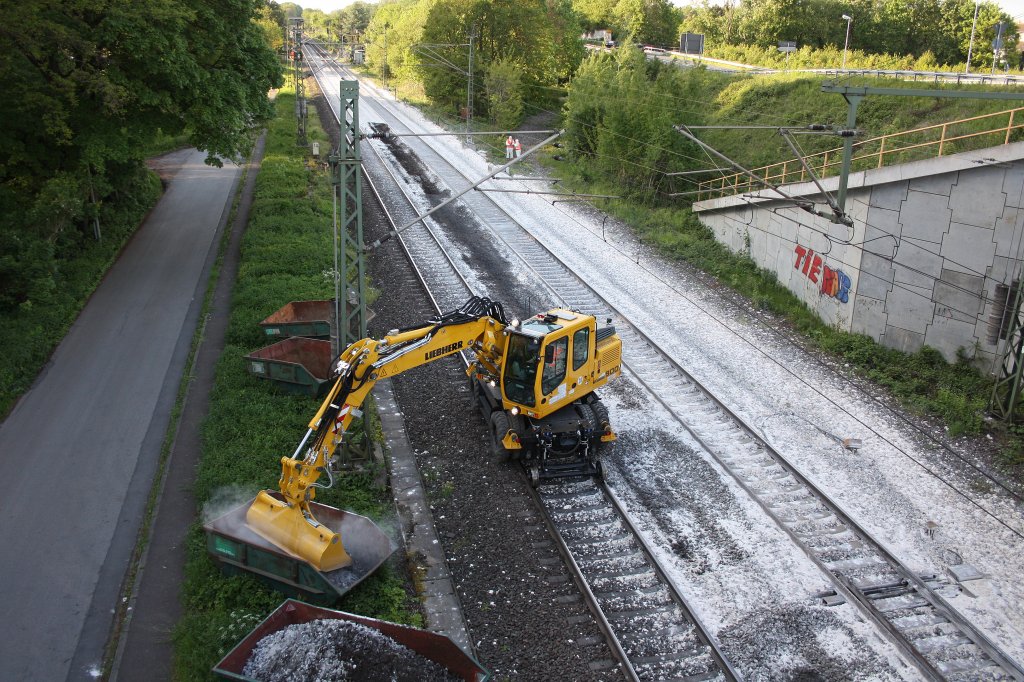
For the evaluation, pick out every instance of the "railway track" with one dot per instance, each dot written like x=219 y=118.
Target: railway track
x=907 y=607
x=647 y=623
x=640 y=609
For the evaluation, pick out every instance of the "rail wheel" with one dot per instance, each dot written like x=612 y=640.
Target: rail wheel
x=518 y=424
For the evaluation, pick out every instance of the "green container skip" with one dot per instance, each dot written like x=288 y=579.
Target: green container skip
x=296 y=365
x=312 y=319
x=240 y=550
x=431 y=646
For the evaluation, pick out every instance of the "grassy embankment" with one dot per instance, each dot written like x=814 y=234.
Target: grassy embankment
x=831 y=57
x=286 y=256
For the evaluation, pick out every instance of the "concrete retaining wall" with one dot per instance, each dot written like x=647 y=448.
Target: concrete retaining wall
x=930 y=241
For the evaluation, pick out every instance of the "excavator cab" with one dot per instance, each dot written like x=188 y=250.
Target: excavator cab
x=547 y=414
x=549 y=361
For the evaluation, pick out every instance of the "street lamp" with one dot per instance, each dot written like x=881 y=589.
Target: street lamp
x=970 y=47
x=846 y=45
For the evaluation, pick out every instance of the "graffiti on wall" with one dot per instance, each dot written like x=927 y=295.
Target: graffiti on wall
x=834 y=283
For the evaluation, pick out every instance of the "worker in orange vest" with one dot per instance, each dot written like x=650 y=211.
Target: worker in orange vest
x=509 y=145
x=519 y=148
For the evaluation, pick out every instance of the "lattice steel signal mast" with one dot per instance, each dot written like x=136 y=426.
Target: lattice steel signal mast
x=346 y=165
x=295 y=32
x=349 y=250
x=1005 y=324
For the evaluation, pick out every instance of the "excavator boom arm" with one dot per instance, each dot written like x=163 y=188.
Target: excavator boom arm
x=360 y=367
x=478 y=326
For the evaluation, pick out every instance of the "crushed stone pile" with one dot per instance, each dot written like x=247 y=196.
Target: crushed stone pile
x=329 y=650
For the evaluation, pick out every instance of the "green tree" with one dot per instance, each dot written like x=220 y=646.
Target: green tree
x=291 y=10
x=390 y=34
x=542 y=36
x=314 y=24
x=619 y=120
x=879 y=27
x=596 y=14
x=505 y=93
x=274 y=23
x=356 y=17
x=349 y=23
x=96 y=80
x=707 y=20
x=647 y=22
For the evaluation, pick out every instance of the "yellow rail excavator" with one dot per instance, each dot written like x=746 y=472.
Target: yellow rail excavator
x=533 y=380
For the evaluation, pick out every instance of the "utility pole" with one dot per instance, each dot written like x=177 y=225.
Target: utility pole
x=970 y=47
x=300 y=95
x=846 y=45
x=997 y=45
x=1005 y=324
x=384 y=67
x=469 y=86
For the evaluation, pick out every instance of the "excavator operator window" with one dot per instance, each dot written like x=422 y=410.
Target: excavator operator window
x=580 y=348
x=520 y=373
x=554 y=365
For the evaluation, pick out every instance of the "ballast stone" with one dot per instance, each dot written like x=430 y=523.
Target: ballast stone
x=330 y=650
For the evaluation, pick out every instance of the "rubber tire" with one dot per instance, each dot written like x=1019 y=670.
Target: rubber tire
x=474 y=391
x=587 y=416
x=600 y=413
x=499 y=427
x=518 y=424
x=600 y=419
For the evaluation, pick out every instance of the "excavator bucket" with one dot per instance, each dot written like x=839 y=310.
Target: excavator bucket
x=293 y=530
x=239 y=549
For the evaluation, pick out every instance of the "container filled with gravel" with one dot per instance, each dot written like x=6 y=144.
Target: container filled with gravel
x=299 y=641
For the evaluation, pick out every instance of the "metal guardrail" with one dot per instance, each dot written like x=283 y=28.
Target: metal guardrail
x=909 y=145
x=898 y=74
x=927 y=76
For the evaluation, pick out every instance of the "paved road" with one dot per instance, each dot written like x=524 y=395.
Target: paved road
x=78 y=453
